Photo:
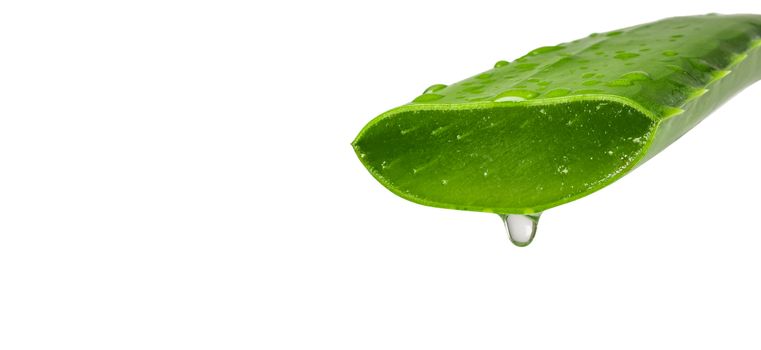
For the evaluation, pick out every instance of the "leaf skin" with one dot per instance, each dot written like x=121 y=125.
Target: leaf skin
x=562 y=121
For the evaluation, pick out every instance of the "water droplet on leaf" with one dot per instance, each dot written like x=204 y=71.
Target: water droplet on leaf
x=428 y=97
x=515 y=95
x=626 y=55
x=501 y=63
x=636 y=75
x=434 y=88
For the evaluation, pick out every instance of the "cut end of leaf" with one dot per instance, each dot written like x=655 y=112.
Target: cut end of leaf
x=503 y=157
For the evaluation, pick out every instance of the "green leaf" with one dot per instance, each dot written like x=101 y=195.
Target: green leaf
x=562 y=121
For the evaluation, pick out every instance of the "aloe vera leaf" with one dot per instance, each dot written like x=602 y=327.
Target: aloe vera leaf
x=562 y=121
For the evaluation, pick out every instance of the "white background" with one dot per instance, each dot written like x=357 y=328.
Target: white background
x=178 y=175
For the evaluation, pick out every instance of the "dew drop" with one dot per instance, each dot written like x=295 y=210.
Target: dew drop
x=434 y=88
x=501 y=63
x=670 y=53
x=521 y=228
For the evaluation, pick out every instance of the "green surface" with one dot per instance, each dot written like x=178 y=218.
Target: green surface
x=562 y=121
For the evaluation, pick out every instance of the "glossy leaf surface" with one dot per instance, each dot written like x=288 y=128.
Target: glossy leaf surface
x=562 y=121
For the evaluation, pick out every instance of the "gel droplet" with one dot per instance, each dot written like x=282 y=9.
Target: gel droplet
x=521 y=228
x=501 y=63
x=434 y=88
